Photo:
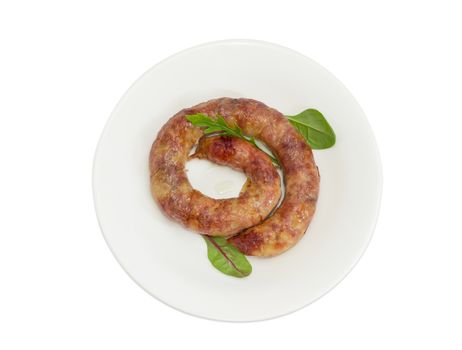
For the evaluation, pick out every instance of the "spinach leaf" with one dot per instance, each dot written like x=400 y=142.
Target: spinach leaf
x=226 y=258
x=314 y=128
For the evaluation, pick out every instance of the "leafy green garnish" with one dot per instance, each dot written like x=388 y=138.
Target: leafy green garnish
x=222 y=127
x=226 y=258
x=314 y=128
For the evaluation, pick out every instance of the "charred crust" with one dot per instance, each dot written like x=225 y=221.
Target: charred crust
x=247 y=243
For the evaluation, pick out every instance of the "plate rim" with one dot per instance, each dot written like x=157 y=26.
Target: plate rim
x=377 y=158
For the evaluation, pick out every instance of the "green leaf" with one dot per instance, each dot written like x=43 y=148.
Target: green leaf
x=226 y=258
x=212 y=129
x=200 y=120
x=314 y=128
x=220 y=125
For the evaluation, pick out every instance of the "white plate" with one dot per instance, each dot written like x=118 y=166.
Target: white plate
x=170 y=262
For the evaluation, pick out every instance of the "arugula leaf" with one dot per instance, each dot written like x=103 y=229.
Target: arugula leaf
x=226 y=258
x=221 y=126
x=314 y=128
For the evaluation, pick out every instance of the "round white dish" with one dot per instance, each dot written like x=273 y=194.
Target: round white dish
x=170 y=262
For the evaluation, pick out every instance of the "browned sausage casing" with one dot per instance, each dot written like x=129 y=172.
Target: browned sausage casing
x=215 y=217
x=301 y=178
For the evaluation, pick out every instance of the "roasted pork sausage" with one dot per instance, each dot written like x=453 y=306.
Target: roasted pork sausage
x=173 y=192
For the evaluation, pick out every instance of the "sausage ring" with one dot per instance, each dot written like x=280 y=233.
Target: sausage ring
x=289 y=221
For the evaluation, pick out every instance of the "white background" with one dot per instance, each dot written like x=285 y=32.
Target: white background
x=63 y=67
